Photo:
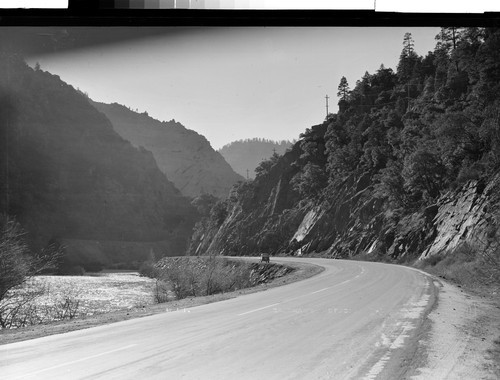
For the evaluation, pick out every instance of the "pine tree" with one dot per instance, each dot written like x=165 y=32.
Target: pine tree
x=448 y=38
x=407 y=59
x=408 y=44
x=343 y=88
x=447 y=41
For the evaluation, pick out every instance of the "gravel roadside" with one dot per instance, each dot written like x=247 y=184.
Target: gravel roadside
x=461 y=340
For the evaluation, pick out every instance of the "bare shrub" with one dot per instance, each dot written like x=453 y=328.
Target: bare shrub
x=19 y=309
x=182 y=277
x=33 y=304
x=222 y=275
x=201 y=276
x=66 y=304
x=489 y=264
x=431 y=260
x=161 y=291
x=490 y=257
x=17 y=266
x=471 y=265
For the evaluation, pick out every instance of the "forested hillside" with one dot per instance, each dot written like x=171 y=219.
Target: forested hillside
x=69 y=178
x=245 y=155
x=186 y=157
x=407 y=168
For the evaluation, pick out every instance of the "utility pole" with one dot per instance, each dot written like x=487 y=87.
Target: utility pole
x=327 y=97
x=247 y=173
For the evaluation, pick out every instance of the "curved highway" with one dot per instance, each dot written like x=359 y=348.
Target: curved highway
x=355 y=320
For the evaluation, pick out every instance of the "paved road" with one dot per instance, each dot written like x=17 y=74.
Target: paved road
x=355 y=320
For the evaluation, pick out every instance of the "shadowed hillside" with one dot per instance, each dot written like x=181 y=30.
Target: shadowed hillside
x=185 y=156
x=68 y=177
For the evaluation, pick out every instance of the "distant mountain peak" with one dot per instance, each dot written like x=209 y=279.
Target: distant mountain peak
x=185 y=156
x=245 y=155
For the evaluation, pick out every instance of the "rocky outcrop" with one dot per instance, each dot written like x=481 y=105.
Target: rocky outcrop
x=268 y=215
x=343 y=226
x=263 y=273
x=273 y=219
x=259 y=215
x=359 y=226
x=186 y=157
x=467 y=215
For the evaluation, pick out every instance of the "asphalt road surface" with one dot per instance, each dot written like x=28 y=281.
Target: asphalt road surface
x=355 y=320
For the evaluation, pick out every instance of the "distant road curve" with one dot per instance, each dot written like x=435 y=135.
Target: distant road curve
x=355 y=320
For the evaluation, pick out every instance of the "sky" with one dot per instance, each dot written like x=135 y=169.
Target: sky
x=234 y=83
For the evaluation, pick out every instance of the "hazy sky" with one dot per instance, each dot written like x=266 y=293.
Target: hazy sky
x=235 y=83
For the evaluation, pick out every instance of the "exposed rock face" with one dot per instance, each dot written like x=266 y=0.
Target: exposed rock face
x=263 y=273
x=183 y=155
x=268 y=215
x=272 y=218
x=256 y=221
x=71 y=178
x=467 y=215
x=346 y=225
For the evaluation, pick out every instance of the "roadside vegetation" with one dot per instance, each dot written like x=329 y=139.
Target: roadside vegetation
x=468 y=266
x=183 y=277
x=30 y=296
x=18 y=265
x=60 y=298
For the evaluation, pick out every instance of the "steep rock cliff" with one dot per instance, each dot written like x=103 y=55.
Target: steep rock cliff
x=250 y=209
x=467 y=215
x=268 y=215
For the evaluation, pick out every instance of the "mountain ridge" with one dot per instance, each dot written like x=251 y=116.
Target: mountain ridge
x=185 y=156
x=69 y=177
x=245 y=155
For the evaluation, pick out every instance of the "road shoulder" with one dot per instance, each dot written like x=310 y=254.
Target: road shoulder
x=461 y=341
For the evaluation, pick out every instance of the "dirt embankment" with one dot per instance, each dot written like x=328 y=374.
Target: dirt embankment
x=270 y=276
